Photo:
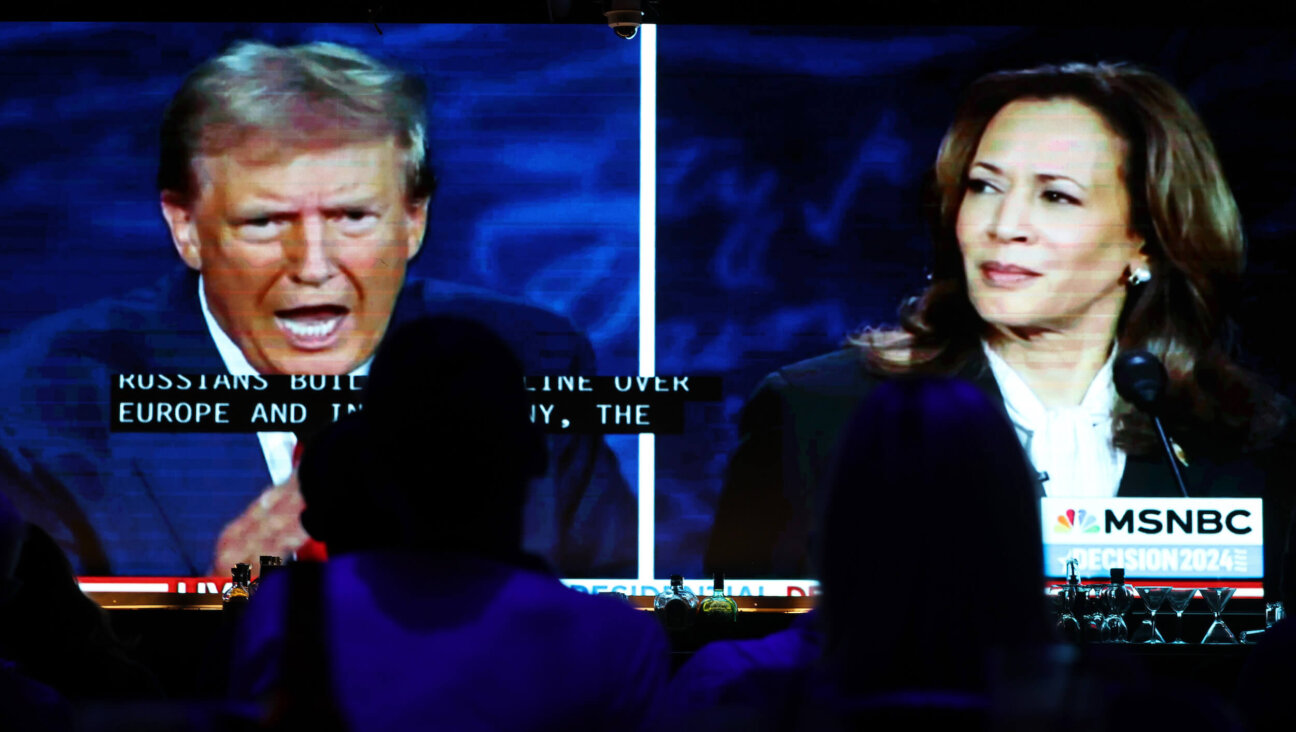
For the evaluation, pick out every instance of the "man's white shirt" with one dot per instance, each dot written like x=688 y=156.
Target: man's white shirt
x=276 y=446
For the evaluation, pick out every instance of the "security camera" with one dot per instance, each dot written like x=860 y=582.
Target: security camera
x=624 y=17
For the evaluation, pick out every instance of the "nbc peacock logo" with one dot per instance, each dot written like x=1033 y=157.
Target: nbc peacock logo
x=1074 y=520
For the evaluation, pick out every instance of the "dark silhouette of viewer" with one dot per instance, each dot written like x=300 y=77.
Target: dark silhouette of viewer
x=344 y=502
x=1263 y=694
x=931 y=571
x=450 y=418
x=27 y=703
x=62 y=638
x=930 y=545
x=429 y=607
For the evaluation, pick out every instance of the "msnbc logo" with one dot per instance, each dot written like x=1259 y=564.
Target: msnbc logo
x=1072 y=520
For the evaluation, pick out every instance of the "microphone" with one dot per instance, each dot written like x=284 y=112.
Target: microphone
x=1140 y=379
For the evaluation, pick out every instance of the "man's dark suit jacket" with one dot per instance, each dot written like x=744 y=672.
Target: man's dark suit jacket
x=154 y=504
x=779 y=474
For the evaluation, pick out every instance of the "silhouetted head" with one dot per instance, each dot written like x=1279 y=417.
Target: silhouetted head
x=452 y=447
x=61 y=637
x=930 y=552
x=345 y=507
x=48 y=592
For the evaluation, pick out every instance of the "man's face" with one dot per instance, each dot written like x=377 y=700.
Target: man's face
x=302 y=251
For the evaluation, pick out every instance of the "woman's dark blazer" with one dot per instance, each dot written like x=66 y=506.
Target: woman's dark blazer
x=778 y=476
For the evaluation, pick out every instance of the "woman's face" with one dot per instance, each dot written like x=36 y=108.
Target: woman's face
x=1044 y=226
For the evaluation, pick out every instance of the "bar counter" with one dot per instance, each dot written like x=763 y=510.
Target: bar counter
x=185 y=639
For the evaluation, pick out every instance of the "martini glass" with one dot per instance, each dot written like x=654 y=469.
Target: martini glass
x=1179 y=600
x=1216 y=598
x=1153 y=598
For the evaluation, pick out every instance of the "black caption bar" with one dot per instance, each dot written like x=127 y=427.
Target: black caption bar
x=559 y=403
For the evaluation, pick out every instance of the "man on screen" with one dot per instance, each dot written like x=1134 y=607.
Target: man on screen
x=295 y=183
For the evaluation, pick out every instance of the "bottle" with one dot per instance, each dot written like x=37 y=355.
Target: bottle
x=269 y=565
x=1069 y=604
x=238 y=591
x=719 y=607
x=1119 y=598
x=676 y=607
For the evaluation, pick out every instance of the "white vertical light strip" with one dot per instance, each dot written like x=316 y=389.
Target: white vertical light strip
x=647 y=284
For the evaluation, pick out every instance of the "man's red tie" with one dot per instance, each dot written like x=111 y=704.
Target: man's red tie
x=312 y=550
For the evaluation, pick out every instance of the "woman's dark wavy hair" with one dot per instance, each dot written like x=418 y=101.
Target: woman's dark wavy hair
x=1185 y=213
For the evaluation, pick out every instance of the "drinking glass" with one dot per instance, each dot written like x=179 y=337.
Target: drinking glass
x=1273 y=613
x=1153 y=598
x=1095 y=611
x=1179 y=599
x=1064 y=598
x=1119 y=599
x=1216 y=598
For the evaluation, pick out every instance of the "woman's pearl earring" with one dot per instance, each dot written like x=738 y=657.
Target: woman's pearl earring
x=1139 y=276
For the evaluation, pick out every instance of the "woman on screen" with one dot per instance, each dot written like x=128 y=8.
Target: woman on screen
x=1077 y=211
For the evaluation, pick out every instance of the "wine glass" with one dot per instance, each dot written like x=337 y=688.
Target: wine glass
x=1153 y=598
x=1216 y=598
x=1179 y=599
x=1064 y=598
x=1095 y=606
x=1119 y=599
